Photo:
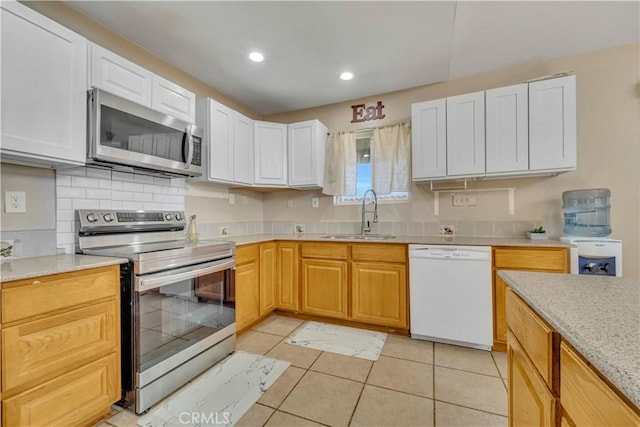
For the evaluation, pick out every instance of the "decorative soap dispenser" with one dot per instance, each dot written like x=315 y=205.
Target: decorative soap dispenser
x=192 y=231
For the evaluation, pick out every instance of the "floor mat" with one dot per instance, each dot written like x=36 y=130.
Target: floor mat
x=221 y=395
x=339 y=339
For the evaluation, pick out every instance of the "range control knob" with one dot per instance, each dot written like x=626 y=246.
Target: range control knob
x=92 y=217
x=108 y=217
x=168 y=217
x=179 y=217
x=605 y=267
x=590 y=266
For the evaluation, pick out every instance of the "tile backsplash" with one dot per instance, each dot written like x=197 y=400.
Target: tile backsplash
x=101 y=188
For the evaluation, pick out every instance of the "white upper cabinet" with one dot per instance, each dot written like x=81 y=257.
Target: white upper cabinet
x=172 y=99
x=507 y=133
x=217 y=120
x=465 y=135
x=119 y=76
x=552 y=124
x=242 y=149
x=306 y=150
x=128 y=80
x=429 y=139
x=270 y=148
x=44 y=98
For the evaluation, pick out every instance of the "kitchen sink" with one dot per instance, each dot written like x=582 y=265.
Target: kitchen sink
x=359 y=236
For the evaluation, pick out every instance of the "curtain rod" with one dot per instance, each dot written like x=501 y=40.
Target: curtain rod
x=406 y=120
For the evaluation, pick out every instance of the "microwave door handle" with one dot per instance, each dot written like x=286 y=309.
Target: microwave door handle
x=189 y=156
x=151 y=282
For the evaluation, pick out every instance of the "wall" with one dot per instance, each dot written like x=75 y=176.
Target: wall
x=608 y=151
x=32 y=233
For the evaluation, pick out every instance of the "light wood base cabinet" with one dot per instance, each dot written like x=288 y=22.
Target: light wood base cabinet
x=287 y=280
x=61 y=348
x=268 y=278
x=324 y=287
x=379 y=293
x=552 y=260
x=247 y=288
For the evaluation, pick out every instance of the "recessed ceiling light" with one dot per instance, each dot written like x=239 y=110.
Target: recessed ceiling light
x=346 y=75
x=256 y=57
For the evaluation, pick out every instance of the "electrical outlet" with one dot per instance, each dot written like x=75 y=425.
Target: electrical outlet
x=315 y=202
x=460 y=199
x=15 y=202
x=447 y=230
x=289 y=203
x=232 y=199
x=298 y=228
x=224 y=231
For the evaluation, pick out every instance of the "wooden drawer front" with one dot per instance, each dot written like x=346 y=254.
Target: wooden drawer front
x=587 y=399
x=43 y=349
x=324 y=250
x=531 y=403
x=380 y=252
x=51 y=293
x=538 y=340
x=531 y=259
x=75 y=398
x=247 y=253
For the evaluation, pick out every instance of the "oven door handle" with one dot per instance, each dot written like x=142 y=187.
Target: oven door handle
x=154 y=281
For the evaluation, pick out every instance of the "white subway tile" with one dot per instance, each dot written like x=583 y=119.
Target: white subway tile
x=81 y=181
x=150 y=206
x=143 y=197
x=98 y=194
x=81 y=171
x=182 y=192
x=170 y=190
x=172 y=207
x=65 y=215
x=86 y=204
x=117 y=185
x=63 y=181
x=132 y=206
x=122 y=176
x=116 y=205
x=121 y=195
x=162 y=181
x=161 y=198
x=176 y=199
x=63 y=203
x=102 y=173
x=66 y=249
x=130 y=186
x=64 y=226
x=178 y=182
x=106 y=204
x=149 y=188
x=71 y=192
x=106 y=184
x=66 y=238
x=144 y=179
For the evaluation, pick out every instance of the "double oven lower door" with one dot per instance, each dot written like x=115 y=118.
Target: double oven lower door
x=181 y=322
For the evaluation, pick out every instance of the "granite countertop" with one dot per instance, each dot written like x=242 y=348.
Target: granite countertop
x=425 y=240
x=598 y=315
x=26 y=268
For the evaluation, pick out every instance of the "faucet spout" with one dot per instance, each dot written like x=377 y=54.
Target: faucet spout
x=365 y=226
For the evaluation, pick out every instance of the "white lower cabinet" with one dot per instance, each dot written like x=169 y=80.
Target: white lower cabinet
x=43 y=89
x=270 y=148
x=306 y=149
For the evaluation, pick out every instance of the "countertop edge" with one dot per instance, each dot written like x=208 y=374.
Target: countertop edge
x=30 y=267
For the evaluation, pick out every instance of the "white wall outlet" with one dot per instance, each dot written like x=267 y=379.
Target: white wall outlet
x=298 y=228
x=315 y=202
x=232 y=199
x=15 y=202
x=461 y=199
x=447 y=230
x=289 y=203
x=224 y=231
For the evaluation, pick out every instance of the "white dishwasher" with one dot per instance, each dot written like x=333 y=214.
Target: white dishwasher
x=450 y=294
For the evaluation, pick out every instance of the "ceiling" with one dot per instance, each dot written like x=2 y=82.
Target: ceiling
x=388 y=45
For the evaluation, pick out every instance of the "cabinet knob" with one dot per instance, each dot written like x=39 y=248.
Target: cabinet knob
x=36 y=282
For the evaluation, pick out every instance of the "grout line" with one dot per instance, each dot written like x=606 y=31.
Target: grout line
x=469 y=372
x=433 y=379
x=469 y=407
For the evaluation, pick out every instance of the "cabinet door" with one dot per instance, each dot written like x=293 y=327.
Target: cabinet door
x=499 y=312
x=429 y=139
x=268 y=278
x=552 y=124
x=270 y=147
x=530 y=401
x=172 y=99
x=465 y=135
x=287 y=295
x=247 y=292
x=306 y=149
x=507 y=132
x=324 y=287
x=379 y=293
x=120 y=76
x=242 y=149
x=43 y=89
x=220 y=144
x=76 y=398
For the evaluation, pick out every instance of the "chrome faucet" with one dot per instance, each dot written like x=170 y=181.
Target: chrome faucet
x=365 y=226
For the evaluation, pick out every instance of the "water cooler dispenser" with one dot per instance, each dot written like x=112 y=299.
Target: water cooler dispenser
x=586 y=226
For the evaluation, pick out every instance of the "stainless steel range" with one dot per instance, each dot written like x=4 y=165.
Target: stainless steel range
x=177 y=298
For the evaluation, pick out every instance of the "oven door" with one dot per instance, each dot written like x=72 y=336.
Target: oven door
x=180 y=313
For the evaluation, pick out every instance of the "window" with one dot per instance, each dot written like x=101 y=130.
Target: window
x=364 y=176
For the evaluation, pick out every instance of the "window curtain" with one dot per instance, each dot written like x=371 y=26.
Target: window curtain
x=391 y=154
x=340 y=165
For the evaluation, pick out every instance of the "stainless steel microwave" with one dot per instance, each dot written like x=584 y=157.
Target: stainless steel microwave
x=125 y=135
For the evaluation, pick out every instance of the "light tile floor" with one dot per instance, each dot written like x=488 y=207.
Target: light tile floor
x=413 y=383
